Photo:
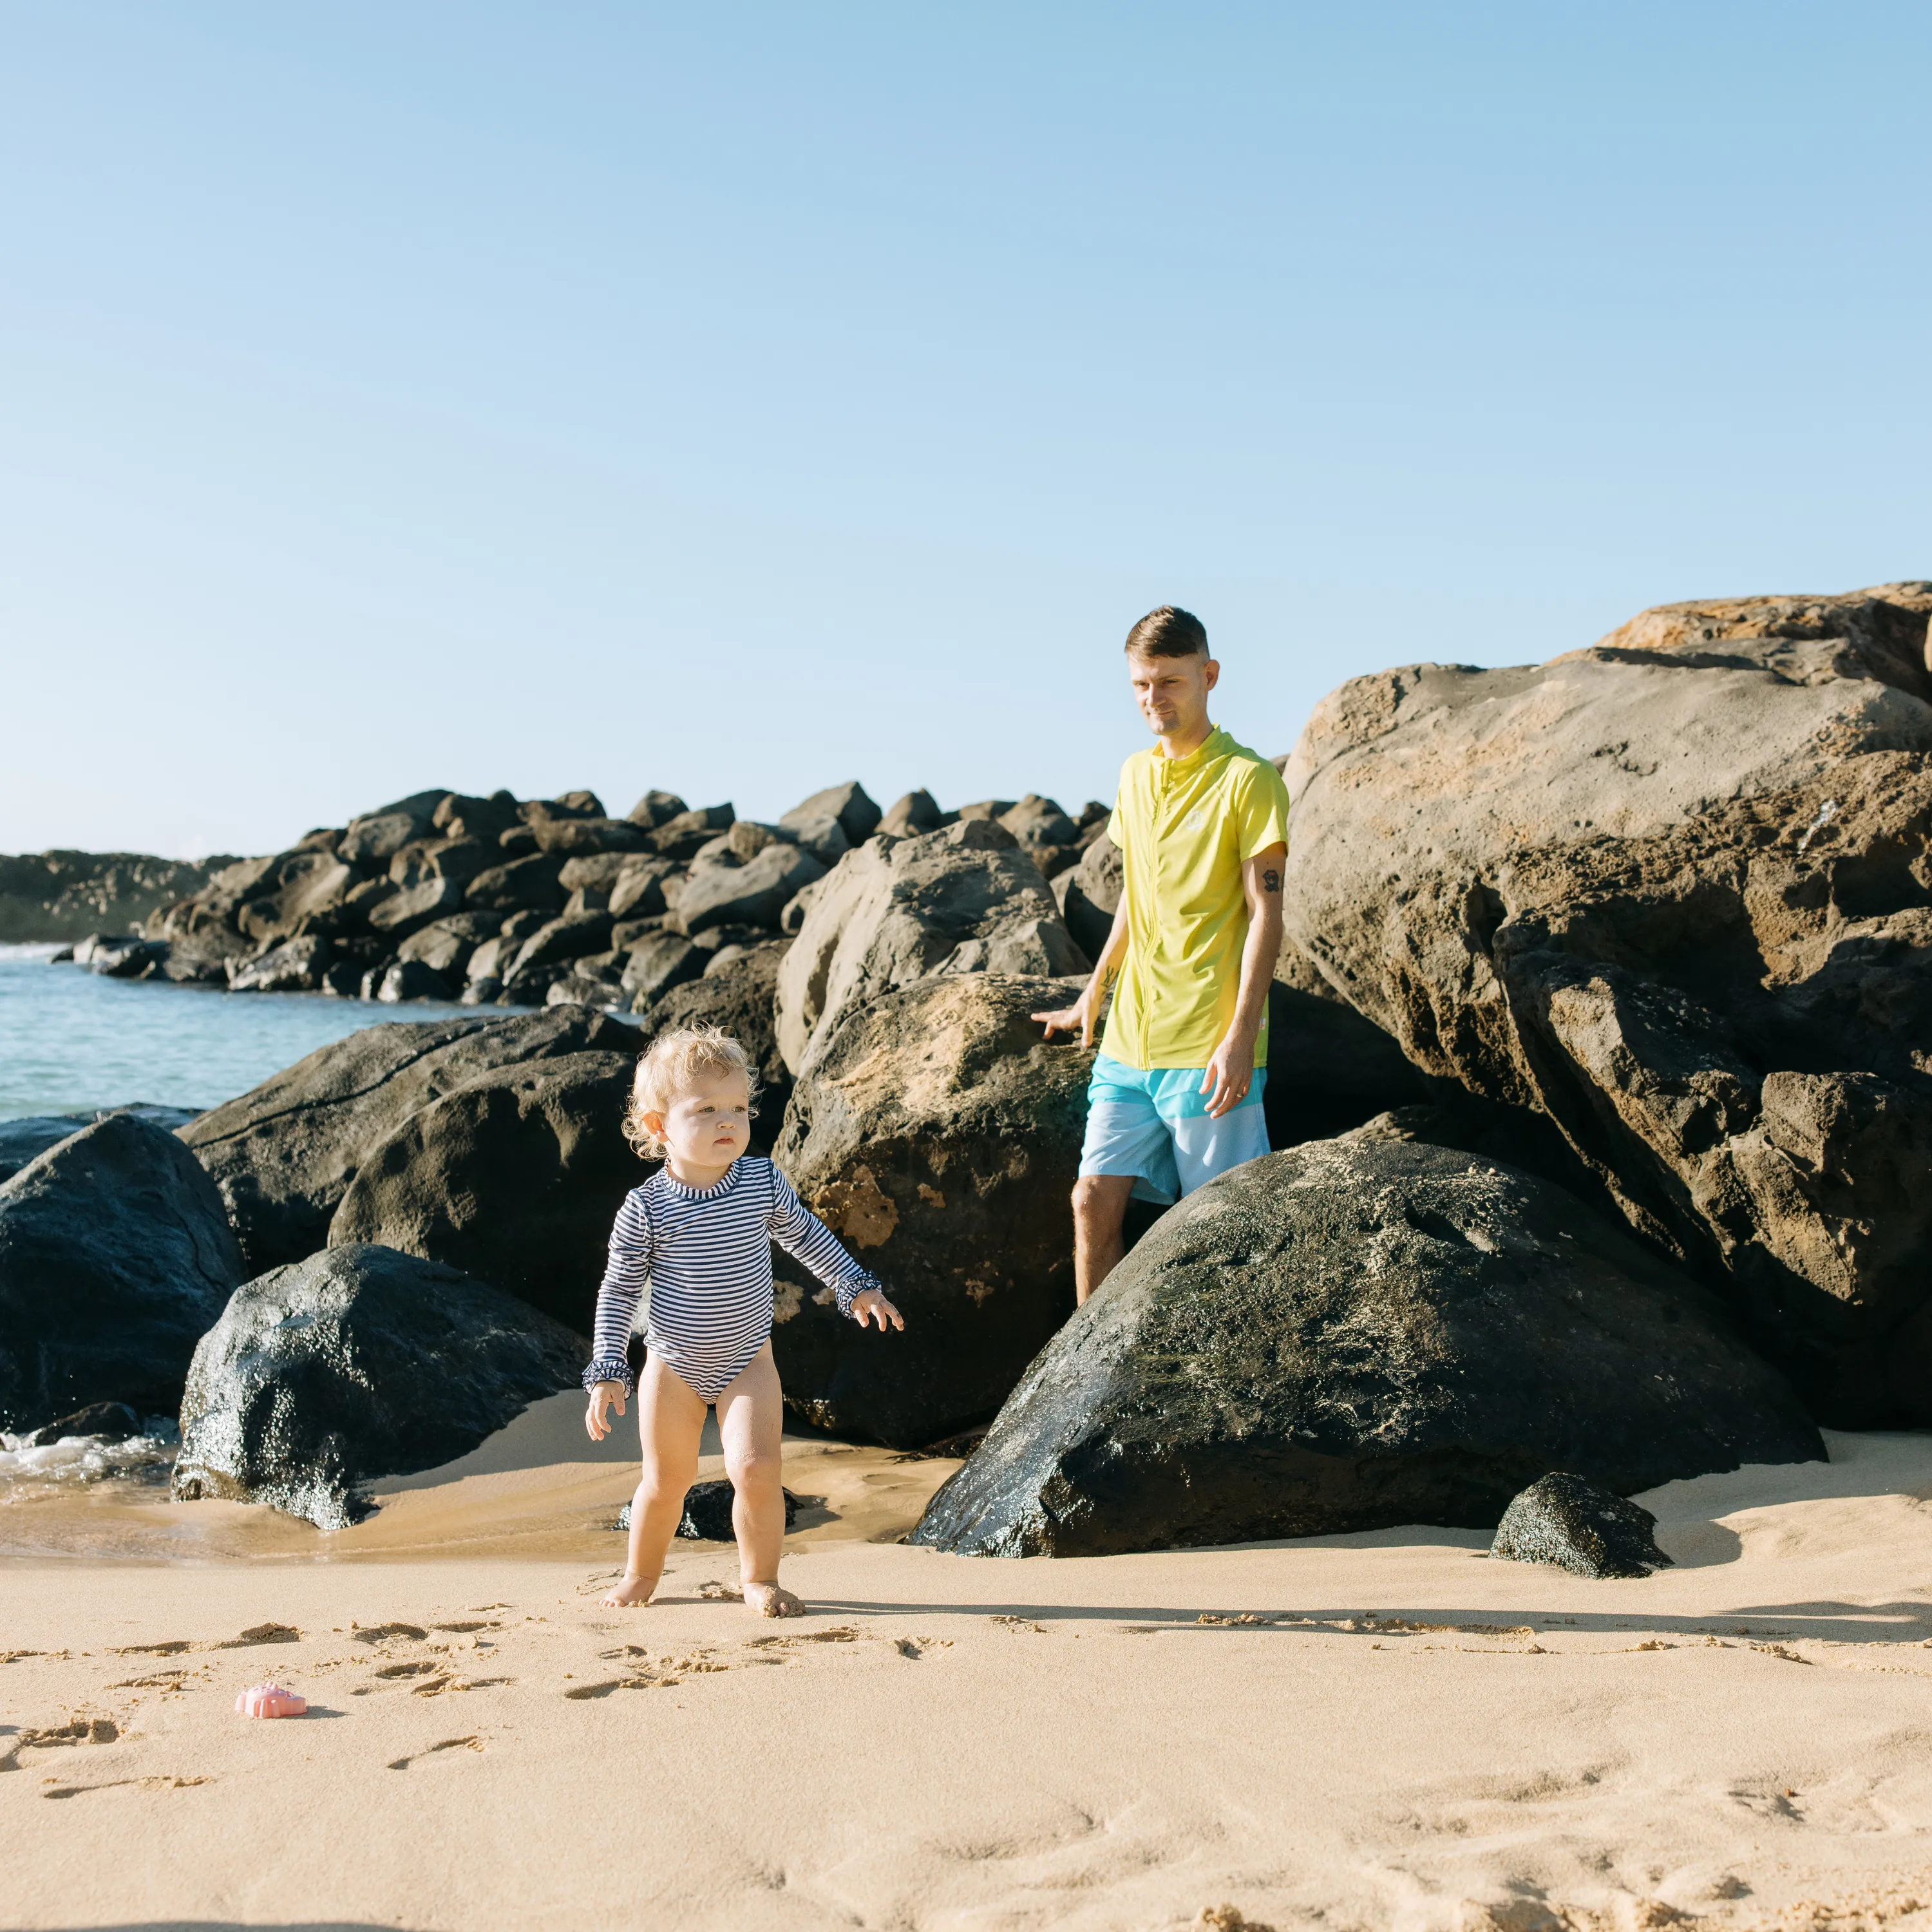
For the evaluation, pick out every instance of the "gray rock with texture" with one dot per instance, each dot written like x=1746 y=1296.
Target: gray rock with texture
x=1671 y=891
x=1357 y=1333
x=353 y=1364
x=937 y=1135
x=516 y=1173
x=284 y=1153
x=964 y=900
x=753 y=893
x=115 y=1257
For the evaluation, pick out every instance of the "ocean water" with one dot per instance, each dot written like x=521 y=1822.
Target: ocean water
x=71 y=1041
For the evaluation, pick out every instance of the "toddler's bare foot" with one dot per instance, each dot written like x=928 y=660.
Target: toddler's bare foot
x=631 y=1593
x=772 y=1600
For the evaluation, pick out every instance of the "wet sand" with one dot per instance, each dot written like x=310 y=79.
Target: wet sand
x=1378 y=1730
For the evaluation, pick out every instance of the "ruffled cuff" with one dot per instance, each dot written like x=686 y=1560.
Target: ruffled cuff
x=847 y=1288
x=611 y=1368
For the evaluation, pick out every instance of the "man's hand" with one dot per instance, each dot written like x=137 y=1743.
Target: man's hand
x=604 y=1397
x=1230 y=1073
x=873 y=1303
x=1078 y=1018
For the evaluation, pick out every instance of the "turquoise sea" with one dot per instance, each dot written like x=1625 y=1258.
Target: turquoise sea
x=71 y=1041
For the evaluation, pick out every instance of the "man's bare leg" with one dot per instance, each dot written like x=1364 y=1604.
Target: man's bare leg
x=750 y=1423
x=1099 y=1211
x=670 y=1420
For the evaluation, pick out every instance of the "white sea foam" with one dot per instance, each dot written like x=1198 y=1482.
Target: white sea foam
x=74 y=1460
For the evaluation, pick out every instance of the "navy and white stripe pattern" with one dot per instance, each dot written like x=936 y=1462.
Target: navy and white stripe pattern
x=706 y=1254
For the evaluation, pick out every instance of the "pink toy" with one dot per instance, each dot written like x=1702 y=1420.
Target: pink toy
x=270 y=1700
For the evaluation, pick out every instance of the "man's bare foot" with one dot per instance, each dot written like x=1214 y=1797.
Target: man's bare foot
x=772 y=1600
x=630 y=1595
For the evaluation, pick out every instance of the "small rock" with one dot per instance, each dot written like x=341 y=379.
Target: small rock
x=707 y=1513
x=1580 y=1526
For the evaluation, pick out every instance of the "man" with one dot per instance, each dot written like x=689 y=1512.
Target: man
x=1202 y=825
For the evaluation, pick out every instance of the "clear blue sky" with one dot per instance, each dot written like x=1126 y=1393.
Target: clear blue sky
x=737 y=399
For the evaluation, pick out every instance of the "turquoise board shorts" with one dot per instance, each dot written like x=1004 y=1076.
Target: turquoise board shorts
x=1154 y=1124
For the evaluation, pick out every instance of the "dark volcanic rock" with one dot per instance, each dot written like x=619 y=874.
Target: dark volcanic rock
x=26 y=1139
x=1330 y=1068
x=1580 y=1526
x=353 y=1364
x=1672 y=891
x=1088 y=894
x=657 y=963
x=963 y=900
x=937 y=1135
x=413 y=979
x=115 y=1259
x=1354 y=1334
x=520 y=1171
x=283 y=1155
x=707 y=1512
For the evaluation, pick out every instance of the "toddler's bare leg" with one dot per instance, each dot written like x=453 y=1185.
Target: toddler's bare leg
x=751 y=1421
x=671 y=1419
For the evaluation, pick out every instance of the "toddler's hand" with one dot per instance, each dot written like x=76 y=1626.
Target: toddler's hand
x=604 y=1396
x=875 y=1305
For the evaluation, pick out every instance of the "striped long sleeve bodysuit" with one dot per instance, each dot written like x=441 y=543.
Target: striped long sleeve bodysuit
x=706 y=1254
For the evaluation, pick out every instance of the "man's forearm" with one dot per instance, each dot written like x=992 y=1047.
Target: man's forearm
x=1258 y=955
x=1111 y=954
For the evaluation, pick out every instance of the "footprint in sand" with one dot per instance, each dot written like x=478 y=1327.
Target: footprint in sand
x=122 y=1784
x=421 y=1669
x=82 y=1731
x=472 y=1743
x=384 y=1632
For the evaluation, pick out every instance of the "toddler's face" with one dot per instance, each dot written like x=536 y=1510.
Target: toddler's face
x=710 y=1125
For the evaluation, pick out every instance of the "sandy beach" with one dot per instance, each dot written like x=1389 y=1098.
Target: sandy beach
x=1377 y=1730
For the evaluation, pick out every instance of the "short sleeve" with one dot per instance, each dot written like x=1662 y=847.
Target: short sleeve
x=1261 y=814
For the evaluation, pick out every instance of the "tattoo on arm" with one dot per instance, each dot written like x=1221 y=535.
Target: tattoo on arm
x=1270 y=881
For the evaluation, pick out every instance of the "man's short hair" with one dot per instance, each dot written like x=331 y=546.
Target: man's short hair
x=1168 y=632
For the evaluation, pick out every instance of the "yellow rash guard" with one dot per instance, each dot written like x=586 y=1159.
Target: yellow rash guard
x=1185 y=827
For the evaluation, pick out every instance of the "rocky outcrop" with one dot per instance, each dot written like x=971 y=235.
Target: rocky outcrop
x=1579 y=1526
x=1672 y=891
x=965 y=900
x=937 y=1135
x=115 y=1259
x=435 y=896
x=65 y=895
x=354 y=1364
x=1354 y=1334
x=519 y=1170
x=284 y=1154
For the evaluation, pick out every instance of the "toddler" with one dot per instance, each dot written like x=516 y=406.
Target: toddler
x=700 y=1231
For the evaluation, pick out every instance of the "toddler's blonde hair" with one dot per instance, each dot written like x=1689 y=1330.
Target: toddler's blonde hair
x=669 y=1067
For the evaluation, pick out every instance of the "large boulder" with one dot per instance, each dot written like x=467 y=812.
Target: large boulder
x=531 y=883
x=518 y=1173
x=353 y=1364
x=1088 y=894
x=28 y=1136
x=284 y=1153
x=1357 y=1333
x=1671 y=891
x=964 y=900
x=937 y=1135
x=752 y=893
x=115 y=1257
